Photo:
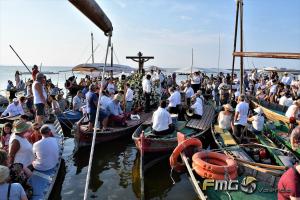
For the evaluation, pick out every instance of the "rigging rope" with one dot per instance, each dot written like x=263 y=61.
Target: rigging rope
x=95 y=126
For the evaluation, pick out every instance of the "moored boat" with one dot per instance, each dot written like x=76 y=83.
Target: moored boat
x=67 y=120
x=82 y=137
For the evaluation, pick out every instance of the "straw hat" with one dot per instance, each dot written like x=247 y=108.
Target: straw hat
x=259 y=110
x=228 y=107
x=4 y=173
x=118 y=97
x=20 y=126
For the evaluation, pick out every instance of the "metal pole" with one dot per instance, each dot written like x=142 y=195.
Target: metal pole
x=219 y=54
x=235 y=40
x=241 y=37
x=19 y=58
x=92 y=40
x=95 y=128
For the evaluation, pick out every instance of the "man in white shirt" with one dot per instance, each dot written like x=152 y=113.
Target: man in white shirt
x=189 y=92
x=257 y=120
x=162 y=121
x=197 y=107
x=196 y=81
x=174 y=100
x=128 y=98
x=286 y=99
x=286 y=80
x=241 y=116
x=13 y=109
x=46 y=151
x=77 y=101
x=147 y=92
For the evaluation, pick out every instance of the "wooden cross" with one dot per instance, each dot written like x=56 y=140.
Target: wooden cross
x=140 y=59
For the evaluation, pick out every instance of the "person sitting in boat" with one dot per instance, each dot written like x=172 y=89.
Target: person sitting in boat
x=225 y=118
x=13 y=109
x=224 y=91
x=77 y=101
x=162 y=121
x=54 y=105
x=189 y=92
x=5 y=136
x=128 y=98
x=62 y=102
x=111 y=88
x=9 y=190
x=25 y=105
x=286 y=99
x=241 y=116
x=115 y=112
x=20 y=149
x=257 y=120
x=286 y=79
x=46 y=151
x=35 y=134
x=91 y=103
x=197 y=107
x=174 y=100
x=294 y=110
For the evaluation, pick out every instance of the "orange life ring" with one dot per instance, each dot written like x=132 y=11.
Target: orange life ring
x=179 y=166
x=207 y=160
x=208 y=174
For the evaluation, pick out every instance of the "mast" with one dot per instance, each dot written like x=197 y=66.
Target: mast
x=112 y=60
x=192 y=61
x=219 y=54
x=92 y=40
x=241 y=46
x=235 y=40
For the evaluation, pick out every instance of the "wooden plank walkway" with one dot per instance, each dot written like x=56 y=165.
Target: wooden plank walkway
x=205 y=122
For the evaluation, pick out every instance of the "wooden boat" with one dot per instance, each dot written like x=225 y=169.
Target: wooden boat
x=250 y=152
x=255 y=181
x=82 y=137
x=157 y=144
x=67 y=119
x=43 y=181
x=273 y=112
x=279 y=133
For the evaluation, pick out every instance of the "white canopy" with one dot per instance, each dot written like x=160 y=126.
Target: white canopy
x=98 y=67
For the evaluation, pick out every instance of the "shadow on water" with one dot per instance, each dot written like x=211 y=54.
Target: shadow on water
x=115 y=175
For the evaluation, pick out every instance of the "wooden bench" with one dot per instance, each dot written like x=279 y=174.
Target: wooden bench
x=205 y=122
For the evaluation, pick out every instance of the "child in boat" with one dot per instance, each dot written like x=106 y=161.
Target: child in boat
x=5 y=136
x=257 y=120
x=225 y=118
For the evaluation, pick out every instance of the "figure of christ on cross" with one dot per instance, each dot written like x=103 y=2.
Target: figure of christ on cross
x=140 y=59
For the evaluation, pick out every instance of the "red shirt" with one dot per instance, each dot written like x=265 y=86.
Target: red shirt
x=34 y=72
x=289 y=184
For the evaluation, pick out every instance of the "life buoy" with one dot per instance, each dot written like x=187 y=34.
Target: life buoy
x=214 y=162
x=179 y=166
x=209 y=174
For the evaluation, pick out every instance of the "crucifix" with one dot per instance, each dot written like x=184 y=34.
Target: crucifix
x=140 y=59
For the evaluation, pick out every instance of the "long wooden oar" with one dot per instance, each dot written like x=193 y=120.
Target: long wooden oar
x=275 y=167
x=20 y=58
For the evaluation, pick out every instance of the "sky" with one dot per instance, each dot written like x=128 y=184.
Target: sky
x=55 y=33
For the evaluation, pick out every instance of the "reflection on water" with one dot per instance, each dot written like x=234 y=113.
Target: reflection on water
x=115 y=175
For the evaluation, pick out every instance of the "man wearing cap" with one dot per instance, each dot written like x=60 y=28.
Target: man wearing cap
x=39 y=97
x=286 y=80
x=46 y=151
x=115 y=112
x=257 y=120
x=91 y=106
x=13 y=109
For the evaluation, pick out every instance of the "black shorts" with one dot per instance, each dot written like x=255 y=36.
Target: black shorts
x=40 y=109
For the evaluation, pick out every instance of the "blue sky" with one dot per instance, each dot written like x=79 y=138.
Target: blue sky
x=55 y=33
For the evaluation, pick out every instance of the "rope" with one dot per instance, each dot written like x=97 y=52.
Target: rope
x=95 y=127
x=171 y=176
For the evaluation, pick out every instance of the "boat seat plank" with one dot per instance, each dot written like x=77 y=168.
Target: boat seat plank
x=205 y=122
x=228 y=140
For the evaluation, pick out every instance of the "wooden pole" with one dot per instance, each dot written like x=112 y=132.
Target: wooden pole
x=192 y=61
x=234 y=43
x=219 y=54
x=92 y=40
x=241 y=46
x=112 y=60
x=142 y=166
x=20 y=58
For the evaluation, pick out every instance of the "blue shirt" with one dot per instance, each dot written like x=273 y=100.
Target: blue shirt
x=114 y=109
x=91 y=102
x=16 y=191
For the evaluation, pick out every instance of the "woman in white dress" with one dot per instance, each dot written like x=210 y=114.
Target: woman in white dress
x=225 y=118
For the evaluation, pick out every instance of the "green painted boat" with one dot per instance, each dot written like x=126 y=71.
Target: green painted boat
x=279 y=133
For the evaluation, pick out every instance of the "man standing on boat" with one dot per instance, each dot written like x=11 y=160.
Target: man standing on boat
x=39 y=97
x=240 y=117
x=174 y=100
x=128 y=98
x=35 y=71
x=162 y=121
x=286 y=80
x=77 y=101
x=147 y=92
